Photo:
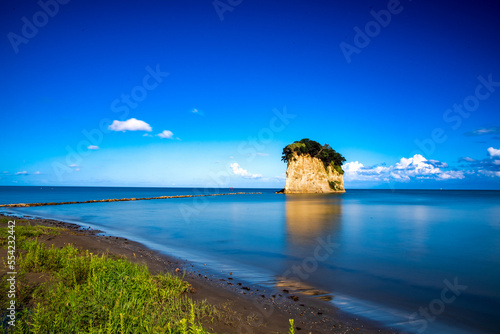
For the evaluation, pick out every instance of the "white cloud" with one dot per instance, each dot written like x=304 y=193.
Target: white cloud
x=417 y=162
x=165 y=134
x=489 y=166
x=130 y=125
x=237 y=170
x=357 y=171
x=147 y=135
x=352 y=167
x=92 y=147
x=483 y=131
x=452 y=174
x=493 y=152
x=437 y=163
x=22 y=173
x=489 y=173
x=73 y=166
x=37 y=173
x=197 y=112
x=406 y=169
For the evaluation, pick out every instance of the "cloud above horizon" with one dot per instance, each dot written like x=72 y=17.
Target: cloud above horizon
x=92 y=147
x=407 y=169
x=420 y=168
x=483 y=131
x=166 y=134
x=197 y=112
x=493 y=152
x=132 y=124
x=22 y=173
x=237 y=170
x=488 y=167
x=75 y=167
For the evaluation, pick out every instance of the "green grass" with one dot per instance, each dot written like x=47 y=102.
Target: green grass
x=26 y=231
x=87 y=293
x=291 y=329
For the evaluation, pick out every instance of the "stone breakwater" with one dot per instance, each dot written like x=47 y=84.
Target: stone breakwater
x=24 y=205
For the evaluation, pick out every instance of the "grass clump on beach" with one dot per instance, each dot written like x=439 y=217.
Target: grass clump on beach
x=83 y=292
x=26 y=231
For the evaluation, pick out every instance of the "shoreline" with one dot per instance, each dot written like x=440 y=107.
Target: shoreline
x=253 y=308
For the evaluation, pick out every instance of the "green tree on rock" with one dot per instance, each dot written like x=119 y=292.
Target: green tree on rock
x=314 y=149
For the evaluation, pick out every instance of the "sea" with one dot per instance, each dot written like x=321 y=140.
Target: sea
x=418 y=261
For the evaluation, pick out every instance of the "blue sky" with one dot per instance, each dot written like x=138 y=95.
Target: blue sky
x=204 y=93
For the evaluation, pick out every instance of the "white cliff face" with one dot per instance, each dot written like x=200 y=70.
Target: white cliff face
x=305 y=174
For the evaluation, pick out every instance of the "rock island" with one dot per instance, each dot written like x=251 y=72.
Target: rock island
x=312 y=168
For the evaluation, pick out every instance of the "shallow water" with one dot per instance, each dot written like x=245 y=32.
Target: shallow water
x=417 y=260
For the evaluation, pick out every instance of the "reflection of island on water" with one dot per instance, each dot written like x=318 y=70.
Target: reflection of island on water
x=312 y=224
x=297 y=286
x=310 y=216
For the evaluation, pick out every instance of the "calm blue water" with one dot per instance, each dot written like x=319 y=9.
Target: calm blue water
x=420 y=261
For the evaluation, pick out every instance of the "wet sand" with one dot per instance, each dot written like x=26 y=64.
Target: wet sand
x=244 y=308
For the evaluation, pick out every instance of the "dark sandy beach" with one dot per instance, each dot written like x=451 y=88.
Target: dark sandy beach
x=245 y=308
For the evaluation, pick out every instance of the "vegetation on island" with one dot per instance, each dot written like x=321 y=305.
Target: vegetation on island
x=310 y=147
x=335 y=185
